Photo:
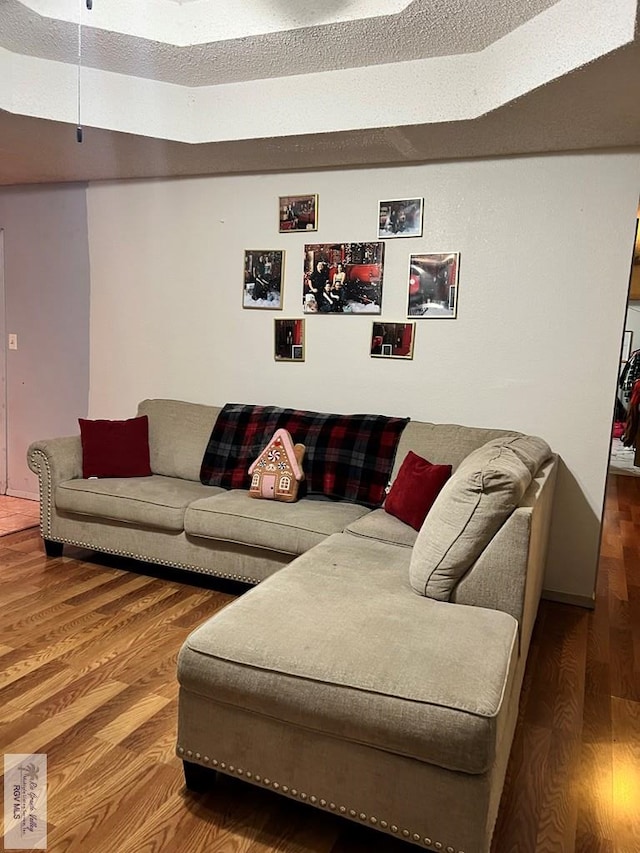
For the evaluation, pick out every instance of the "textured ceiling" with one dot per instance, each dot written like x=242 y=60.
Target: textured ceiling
x=585 y=103
x=425 y=28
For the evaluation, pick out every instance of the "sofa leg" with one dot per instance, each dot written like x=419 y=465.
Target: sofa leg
x=197 y=778
x=52 y=549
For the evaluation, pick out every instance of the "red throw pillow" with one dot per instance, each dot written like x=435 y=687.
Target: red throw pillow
x=415 y=489
x=115 y=448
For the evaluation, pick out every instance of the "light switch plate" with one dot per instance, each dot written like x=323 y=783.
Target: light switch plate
x=13 y=342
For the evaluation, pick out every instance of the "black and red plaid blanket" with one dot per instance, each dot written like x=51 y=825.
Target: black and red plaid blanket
x=348 y=457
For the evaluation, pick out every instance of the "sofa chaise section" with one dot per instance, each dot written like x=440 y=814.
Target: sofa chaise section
x=336 y=657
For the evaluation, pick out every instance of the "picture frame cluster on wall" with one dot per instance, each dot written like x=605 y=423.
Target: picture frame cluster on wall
x=347 y=278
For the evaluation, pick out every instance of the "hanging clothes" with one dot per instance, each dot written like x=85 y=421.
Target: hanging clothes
x=633 y=418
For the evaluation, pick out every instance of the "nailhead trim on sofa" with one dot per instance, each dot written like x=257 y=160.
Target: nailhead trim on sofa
x=391 y=828
x=45 y=530
x=38 y=456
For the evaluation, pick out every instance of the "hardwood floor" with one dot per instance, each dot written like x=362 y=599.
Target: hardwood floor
x=17 y=514
x=88 y=653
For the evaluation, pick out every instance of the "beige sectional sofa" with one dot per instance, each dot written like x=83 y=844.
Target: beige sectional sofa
x=375 y=671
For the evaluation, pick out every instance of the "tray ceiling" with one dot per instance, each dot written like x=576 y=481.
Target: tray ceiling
x=307 y=84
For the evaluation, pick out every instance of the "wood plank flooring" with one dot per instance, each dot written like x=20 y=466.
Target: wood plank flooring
x=88 y=649
x=17 y=514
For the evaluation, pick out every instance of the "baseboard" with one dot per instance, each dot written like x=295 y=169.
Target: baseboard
x=569 y=598
x=29 y=496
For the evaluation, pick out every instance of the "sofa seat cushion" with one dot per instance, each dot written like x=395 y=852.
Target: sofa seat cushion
x=383 y=527
x=337 y=642
x=290 y=528
x=156 y=502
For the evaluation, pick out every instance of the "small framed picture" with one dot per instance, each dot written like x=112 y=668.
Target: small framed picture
x=433 y=285
x=400 y=218
x=298 y=213
x=263 y=276
x=392 y=340
x=289 y=340
x=343 y=278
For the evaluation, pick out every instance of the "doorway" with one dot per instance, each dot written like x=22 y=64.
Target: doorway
x=624 y=458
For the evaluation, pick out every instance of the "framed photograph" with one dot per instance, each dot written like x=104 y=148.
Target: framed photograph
x=433 y=285
x=400 y=218
x=289 y=340
x=298 y=213
x=626 y=345
x=263 y=272
x=392 y=340
x=343 y=278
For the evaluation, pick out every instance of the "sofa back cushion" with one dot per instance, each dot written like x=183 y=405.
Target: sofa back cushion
x=443 y=444
x=178 y=436
x=470 y=509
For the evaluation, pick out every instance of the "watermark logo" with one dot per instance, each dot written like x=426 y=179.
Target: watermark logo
x=25 y=801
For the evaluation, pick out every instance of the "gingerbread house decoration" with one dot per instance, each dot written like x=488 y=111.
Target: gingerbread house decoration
x=277 y=472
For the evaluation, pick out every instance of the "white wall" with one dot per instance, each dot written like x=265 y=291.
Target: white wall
x=545 y=248
x=47 y=306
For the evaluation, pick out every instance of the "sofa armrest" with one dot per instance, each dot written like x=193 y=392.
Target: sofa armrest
x=497 y=579
x=54 y=460
x=61 y=456
x=509 y=573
